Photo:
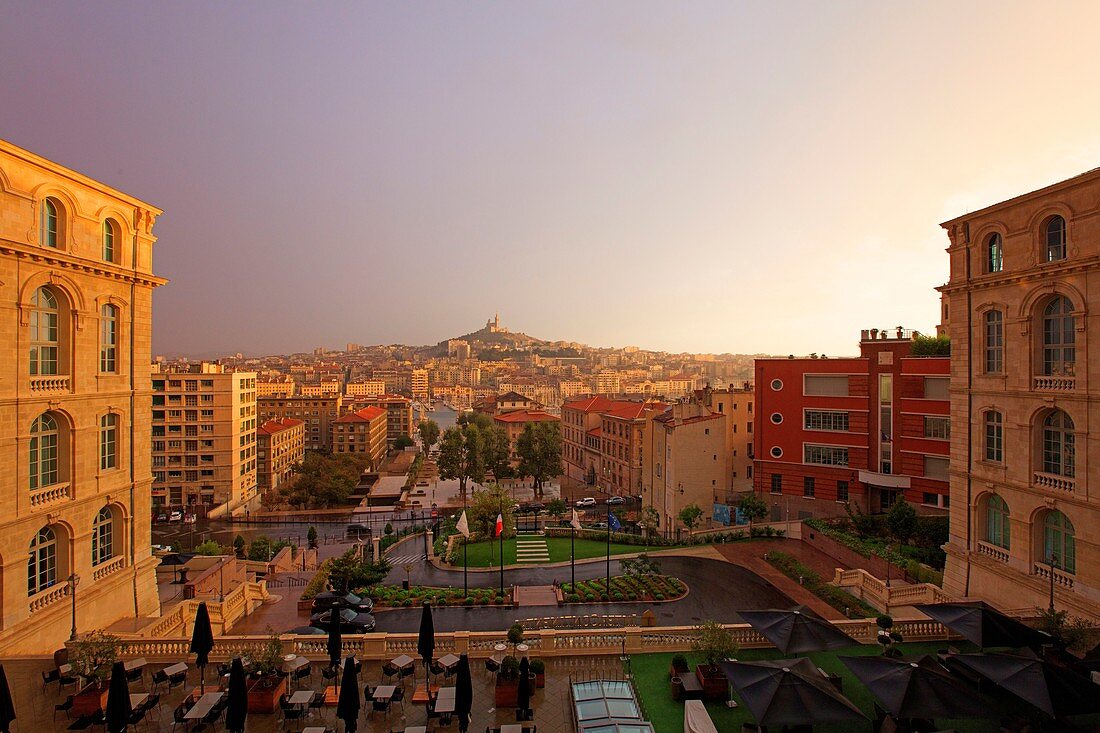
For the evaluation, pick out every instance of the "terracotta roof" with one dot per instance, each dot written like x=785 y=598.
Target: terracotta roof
x=597 y=403
x=277 y=425
x=367 y=414
x=634 y=410
x=668 y=418
x=512 y=397
x=595 y=432
x=526 y=416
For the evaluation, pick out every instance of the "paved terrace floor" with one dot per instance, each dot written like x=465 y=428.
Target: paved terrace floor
x=35 y=707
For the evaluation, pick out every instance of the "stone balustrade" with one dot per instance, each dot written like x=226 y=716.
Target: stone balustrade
x=53 y=384
x=997 y=553
x=52 y=494
x=1054 y=383
x=1053 y=482
x=49 y=597
x=874 y=591
x=1061 y=577
x=111 y=566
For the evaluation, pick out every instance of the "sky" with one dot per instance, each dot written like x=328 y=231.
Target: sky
x=763 y=177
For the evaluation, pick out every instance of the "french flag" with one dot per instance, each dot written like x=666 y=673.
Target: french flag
x=500 y=526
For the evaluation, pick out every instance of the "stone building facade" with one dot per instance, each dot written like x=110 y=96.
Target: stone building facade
x=280 y=445
x=317 y=413
x=1018 y=309
x=76 y=285
x=362 y=432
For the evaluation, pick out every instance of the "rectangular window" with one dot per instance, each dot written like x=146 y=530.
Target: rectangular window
x=825 y=385
x=994 y=438
x=108 y=442
x=808 y=486
x=937 y=388
x=826 y=420
x=994 y=342
x=108 y=339
x=825 y=455
x=842 y=491
x=777 y=483
x=937 y=427
x=936 y=467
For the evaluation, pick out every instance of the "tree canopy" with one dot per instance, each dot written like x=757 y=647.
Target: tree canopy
x=539 y=451
x=429 y=433
x=482 y=512
x=461 y=456
x=323 y=481
x=690 y=515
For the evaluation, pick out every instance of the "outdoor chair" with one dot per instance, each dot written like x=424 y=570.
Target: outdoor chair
x=64 y=680
x=136 y=675
x=291 y=713
x=437 y=669
x=177 y=716
x=136 y=717
x=63 y=707
x=330 y=672
x=389 y=670
x=49 y=677
x=399 y=696
x=303 y=672
x=177 y=680
x=159 y=678
x=380 y=706
x=318 y=704
x=368 y=694
x=408 y=672
x=492 y=666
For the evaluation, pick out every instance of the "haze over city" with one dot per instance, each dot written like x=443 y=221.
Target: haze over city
x=704 y=177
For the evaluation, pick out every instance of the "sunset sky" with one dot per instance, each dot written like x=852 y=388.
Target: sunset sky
x=684 y=176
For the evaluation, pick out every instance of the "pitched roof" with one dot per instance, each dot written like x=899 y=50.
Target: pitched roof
x=634 y=410
x=512 y=397
x=367 y=414
x=597 y=403
x=525 y=416
x=278 y=425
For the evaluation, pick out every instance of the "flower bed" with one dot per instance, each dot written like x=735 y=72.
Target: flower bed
x=625 y=588
x=388 y=596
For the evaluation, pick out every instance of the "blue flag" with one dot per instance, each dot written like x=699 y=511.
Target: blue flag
x=613 y=522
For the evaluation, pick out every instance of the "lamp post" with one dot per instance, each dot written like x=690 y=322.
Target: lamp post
x=74 y=580
x=1053 y=562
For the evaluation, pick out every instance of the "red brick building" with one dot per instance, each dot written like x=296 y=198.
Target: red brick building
x=865 y=430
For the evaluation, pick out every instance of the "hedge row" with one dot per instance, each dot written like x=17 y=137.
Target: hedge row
x=625 y=588
x=385 y=596
x=841 y=600
x=868 y=547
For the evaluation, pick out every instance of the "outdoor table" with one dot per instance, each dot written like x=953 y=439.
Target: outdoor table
x=294 y=663
x=445 y=700
x=301 y=697
x=511 y=728
x=416 y=729
x=422 y=695
x=403 y=661
x=384 y=692
x=315 y=729
x=137 y=699
x=131 y=664
x=203 y=707
x=693 y=690
x=175 y=669
x=449 y=661
x=65 y=669
x=332 y=695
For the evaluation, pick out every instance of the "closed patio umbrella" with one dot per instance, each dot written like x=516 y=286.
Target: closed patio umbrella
x=797 y=631
x=118 y=710
x=789 y=692
x=334 y=639
x=202 y=641
x=464 y=693
x=237 y=702
x=347 y=705
x=1056 y=691
x=7 y=707
x=920 y=688
x=523 y=695
x=425 y=642
x=981 y=624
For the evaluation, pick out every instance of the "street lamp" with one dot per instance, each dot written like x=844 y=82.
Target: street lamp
x=74 y=580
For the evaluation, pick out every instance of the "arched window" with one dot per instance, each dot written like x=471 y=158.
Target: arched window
x=994 y=254
x=997 y=531
x=108 y=442
x=1059 y=547
x=110 y=231
x=51 y=222
x=43 y=452
x=103 y=536
x=1058 y=450
x=1055 y=235
x=44 y=332
x=42 y=562
x=994 y=342
x=108 y=338
x=994 y=437
x=1059 y=337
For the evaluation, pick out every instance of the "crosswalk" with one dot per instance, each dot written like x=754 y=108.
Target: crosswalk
x=399 y=560
x=531 y=549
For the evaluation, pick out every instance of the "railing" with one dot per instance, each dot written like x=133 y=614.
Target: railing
x=993 y=551
x=1061 y=577
x=113 y=565
x=1054 y=383
x=48 y=597
x=50 y=494
x=874 y=591
x=52 y=383
x=1052 y=481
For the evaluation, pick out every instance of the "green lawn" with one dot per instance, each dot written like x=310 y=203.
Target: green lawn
x=667 y=715
x=487 y=554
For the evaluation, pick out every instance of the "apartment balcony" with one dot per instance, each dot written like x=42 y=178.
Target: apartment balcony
x=52 y=494
x=1053 y=482
x=48 y=597
x=52 y=384
x=109 y=567
x=1054 y=383
x=1061 y=577
x=989 y=549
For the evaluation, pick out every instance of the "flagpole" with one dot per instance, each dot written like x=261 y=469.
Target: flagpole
x=502 y=547
x=607 y=587
x=573 y=557
x=465 y=548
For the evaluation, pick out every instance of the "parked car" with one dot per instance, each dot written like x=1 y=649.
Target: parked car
x=175 y=516
x=190 y=518
x=161 y=548
x=351 y=622
x=599 y=525
x=616 y=500
x=323 y=601
x=585 y=502
x=307 y=630
x=358 y=530
x=162 y=518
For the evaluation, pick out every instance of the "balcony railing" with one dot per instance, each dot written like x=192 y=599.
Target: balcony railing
x=1053 y=482
x=1061 y=577
x=993 y=551
x=48 y=597
x=51 y=494
x=53 y=384
x=111 y=566
x=1054 y=383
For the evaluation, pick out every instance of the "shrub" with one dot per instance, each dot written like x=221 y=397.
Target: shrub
x=469 y=601
x=407 y=602
x=714 y=642
x=574 y=598
x=658 y=596
x=603 y=597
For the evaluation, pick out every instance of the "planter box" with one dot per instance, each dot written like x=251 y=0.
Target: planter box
x=674 y=671
x=506 y=693
x=90 y=701
x=714 y=682
x=263 y=698
x=540 y=680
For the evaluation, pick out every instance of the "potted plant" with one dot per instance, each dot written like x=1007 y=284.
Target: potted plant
x=714 y=643
x=538 y=668
x=515 y=635
x=267 y=685
x=506 y=693
x=679 y=666
x=92 y=657
x=311 y=537
x=887 y=638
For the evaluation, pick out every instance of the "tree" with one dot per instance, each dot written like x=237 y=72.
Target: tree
x=539 y=451
x=260 y=549
x=752 y=508
x=238 y=546
x=497 y=451
x=714 y=642
x=311 y=536
x=484 y=507
x=209 y=548
x=902 y=520
x=401 y=442
x=650 y=520
x=350 y=572
x=640 y=566
x=324 y=480
x=690 y=515
x=556 y=508
x=461 y=456
x=429 y=433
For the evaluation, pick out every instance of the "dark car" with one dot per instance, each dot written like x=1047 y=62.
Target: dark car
x=308 y=631
x=324 y=600
x=531 y=507
x=350 y=621
x=358 y=530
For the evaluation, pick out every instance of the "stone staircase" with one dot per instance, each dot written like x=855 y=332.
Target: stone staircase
x=531 y=548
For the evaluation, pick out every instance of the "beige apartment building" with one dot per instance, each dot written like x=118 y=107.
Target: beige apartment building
x=1024 y=456
x=399 y=414
x=682 y=462
x=204 y=439
x=418 y=384
x=76 y=284
x=317 y=413
x=276 y=388
x=600 y=440
x=363 y=432
x=736 y=404
x=280 y=446
x=608 y=382
x=368 y=388
x=321 y=389
x=622 y=435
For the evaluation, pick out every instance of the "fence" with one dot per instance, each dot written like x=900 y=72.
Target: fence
x=178 y=620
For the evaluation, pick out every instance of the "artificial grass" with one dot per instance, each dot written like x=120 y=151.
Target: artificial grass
x=485 y=554
x=651 y=679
